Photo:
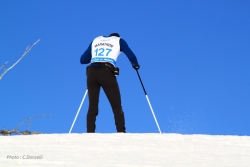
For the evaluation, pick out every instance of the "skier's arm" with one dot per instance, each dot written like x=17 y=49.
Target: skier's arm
x=86 y=56
x=129 y=53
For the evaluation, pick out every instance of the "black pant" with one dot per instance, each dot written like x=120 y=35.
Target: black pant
x=102 y=76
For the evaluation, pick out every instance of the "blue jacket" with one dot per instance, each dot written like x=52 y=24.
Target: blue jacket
x=86 y=56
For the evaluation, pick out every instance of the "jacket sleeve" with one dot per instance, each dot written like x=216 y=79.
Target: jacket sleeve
x=86 y=56
x=129 y=53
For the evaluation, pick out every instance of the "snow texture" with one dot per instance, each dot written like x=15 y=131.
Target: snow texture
x=124 y=150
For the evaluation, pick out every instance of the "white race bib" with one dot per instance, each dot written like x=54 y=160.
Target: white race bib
x=105 y=49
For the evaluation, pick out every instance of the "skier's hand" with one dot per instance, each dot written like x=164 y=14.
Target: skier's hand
x=136 y=67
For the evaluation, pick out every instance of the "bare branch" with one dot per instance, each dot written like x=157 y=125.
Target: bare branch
x=24 y=54
x=43 y=115
x=6 y=132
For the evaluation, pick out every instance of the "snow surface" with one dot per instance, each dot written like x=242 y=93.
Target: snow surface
x=125 y=150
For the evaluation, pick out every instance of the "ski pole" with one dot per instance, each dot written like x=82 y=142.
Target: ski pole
x=149 y=102
x=78 y=110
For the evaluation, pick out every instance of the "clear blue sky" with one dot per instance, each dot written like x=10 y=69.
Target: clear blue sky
x=194 y=58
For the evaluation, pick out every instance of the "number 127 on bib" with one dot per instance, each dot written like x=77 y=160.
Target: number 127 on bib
x=102 y=51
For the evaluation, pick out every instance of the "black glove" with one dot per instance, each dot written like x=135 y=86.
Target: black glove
x=136 y=67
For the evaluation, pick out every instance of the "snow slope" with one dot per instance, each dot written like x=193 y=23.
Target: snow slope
x=124 y=150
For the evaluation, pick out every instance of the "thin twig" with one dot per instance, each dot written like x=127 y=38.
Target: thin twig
x=4 y=66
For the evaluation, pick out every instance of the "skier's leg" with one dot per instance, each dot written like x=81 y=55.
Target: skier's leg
x=111 y=89
x=93 y=94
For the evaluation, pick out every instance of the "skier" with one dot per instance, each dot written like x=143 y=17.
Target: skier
x=102 y=53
